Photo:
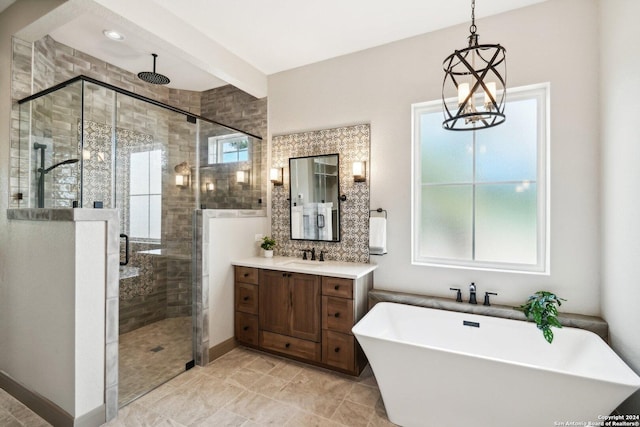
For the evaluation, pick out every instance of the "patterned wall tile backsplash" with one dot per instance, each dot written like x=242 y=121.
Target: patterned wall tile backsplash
x=352 y=144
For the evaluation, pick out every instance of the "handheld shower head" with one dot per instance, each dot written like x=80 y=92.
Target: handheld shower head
x=65 y=162
x=37 y=146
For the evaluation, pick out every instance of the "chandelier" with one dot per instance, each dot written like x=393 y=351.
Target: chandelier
x=478 y=74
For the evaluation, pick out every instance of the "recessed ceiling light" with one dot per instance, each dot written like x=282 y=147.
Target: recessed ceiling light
x=113 y=35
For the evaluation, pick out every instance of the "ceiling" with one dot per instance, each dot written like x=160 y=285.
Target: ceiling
x=203 y=44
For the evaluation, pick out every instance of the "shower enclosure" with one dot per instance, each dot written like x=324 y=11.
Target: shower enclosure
x=87 y=144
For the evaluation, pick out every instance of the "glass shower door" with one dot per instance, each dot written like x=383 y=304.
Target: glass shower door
x=152 y=146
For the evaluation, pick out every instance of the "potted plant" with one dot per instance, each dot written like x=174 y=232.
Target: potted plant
x=268 y=243
x=541 y=308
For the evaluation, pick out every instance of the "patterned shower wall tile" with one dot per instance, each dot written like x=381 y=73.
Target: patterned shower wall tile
x=351 y=143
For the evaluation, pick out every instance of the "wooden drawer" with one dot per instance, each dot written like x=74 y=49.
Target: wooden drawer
x=337 y=314
x=246 y=275
x=246 y=326
x=246 y=298
x=337 y=287
x=289 y=345
x=338 y=350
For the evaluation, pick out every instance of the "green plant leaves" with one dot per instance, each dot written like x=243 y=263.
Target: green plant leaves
x=542 y=308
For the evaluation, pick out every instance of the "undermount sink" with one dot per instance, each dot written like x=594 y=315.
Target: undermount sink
x=302 y=264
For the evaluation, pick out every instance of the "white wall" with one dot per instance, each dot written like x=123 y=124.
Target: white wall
x=226 y=239
x=38 y=309
x=54 y=311
x=620 y=87
x=554 y=41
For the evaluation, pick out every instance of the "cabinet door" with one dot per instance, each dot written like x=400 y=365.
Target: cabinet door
x=274 y=303
x=305 y=306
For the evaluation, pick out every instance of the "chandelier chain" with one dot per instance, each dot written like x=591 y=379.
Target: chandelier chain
x=473 y=27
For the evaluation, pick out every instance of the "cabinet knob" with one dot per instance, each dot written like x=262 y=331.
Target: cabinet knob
x=337 y=315
x=246 y=274
x=337 y=349
x=246 y=328
x=246 y=298
x=336 y=287
x=284 y=274
x=287 y=345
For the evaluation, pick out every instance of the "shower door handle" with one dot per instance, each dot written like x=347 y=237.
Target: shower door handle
x=126 y=249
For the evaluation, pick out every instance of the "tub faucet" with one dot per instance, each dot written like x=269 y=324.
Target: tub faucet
x=472 y=294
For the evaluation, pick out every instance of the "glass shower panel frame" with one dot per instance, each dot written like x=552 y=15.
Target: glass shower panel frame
x=48 y=146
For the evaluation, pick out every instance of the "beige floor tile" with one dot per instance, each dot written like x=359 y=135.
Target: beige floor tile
x=307 y=419
x=364 y=395
x=309 y=398
x=136 y=415
x=286 y=370
x=13 y=411
x=264 y=363
x=197 y=400
x=222 y=418
x=8 y=420
x=268 y=385
x=244 y=377
x=261 y=410
x=353 y=414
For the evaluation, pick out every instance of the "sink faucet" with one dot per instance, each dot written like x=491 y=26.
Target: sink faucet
x=321 y=258
x=304 y=253
x=472 y=294
x=313 y=254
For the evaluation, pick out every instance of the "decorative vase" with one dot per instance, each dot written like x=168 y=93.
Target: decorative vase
x=268 y=254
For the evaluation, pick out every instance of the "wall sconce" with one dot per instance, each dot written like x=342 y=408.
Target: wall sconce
x=183 y=173
x=275 y=175
x=242 y=177
x=359 y=171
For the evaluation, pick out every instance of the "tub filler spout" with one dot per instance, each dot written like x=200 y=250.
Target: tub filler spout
x=472 y=294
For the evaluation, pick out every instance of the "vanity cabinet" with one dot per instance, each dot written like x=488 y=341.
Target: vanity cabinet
x=304 y=316
x=246 y=305
x=291 y=304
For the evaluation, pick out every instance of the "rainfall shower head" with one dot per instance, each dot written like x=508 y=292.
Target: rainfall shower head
x=153 y=77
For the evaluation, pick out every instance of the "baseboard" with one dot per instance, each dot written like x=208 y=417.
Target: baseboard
x=223 y=348
x=48 y=410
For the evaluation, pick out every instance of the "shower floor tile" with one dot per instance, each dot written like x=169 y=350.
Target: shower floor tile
x=152 y=355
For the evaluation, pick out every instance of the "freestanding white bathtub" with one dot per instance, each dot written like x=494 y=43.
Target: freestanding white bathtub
x=433 y=370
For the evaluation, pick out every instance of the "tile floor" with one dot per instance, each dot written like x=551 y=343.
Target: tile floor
x=151 y=355
x=248 y=388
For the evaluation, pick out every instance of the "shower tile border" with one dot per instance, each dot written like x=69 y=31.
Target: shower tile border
x=110 y=217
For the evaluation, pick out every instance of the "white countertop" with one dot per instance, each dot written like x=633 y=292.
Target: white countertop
x=347 y=270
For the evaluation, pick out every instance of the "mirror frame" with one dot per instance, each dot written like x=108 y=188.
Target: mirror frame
x=338 y=200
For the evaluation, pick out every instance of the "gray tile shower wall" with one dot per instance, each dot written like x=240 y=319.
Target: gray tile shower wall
x=238 y=109
x=352 y=144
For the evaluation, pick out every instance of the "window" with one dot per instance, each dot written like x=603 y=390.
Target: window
x=480 y=198
x=145 y=195
x=228 y=149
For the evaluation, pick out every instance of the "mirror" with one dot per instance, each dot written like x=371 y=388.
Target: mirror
x=315 y=210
